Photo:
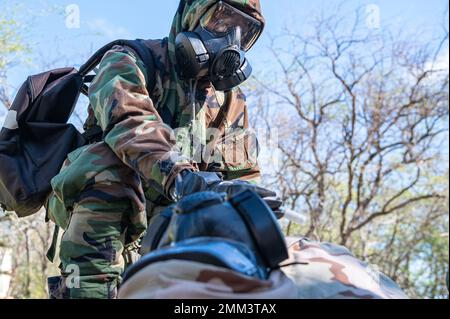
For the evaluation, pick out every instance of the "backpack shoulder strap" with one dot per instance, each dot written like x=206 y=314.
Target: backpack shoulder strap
x=145 y=54
x=94 y=134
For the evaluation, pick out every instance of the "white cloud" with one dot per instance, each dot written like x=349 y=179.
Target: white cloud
x=108 y=29
x=442 y=62
x=442 y=65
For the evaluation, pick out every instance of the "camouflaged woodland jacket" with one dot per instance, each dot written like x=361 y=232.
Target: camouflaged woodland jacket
x=139 y=128
x=138 y=125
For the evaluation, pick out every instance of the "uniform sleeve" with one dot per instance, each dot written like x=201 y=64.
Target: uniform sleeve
x=133 y=128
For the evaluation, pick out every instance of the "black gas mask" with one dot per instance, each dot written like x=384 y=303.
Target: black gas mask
x=240 y=233
x=215 y=50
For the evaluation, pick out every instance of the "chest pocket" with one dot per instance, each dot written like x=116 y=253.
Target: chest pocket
x=236 y=152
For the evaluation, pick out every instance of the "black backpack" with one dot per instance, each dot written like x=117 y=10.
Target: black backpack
x=36 y=137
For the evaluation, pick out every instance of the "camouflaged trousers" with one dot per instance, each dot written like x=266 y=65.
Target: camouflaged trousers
x=99 y=203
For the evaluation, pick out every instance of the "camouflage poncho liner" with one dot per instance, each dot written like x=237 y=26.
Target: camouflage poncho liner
x=325 y=271
x=105 y=190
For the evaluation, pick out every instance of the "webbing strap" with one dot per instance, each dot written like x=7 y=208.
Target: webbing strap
x=145 y=54
x=51 y=253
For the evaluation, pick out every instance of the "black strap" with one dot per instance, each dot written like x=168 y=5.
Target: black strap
x=51 y=253
x=145 y=54
x=155 y=232
x=95 y=133
x=263 y=227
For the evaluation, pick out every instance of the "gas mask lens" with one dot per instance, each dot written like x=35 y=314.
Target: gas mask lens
x=223 y=18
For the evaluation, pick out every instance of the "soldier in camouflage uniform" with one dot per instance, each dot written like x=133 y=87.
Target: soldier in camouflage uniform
x=106 y=191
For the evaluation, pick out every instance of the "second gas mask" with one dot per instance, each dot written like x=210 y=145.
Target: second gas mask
x=215 y=49
x=239 y=233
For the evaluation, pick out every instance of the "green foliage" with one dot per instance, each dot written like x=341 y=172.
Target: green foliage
x=11 y=39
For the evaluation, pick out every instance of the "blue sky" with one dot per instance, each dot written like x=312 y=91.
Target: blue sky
x=102 y=21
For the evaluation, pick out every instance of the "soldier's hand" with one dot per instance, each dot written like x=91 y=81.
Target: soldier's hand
x=189 y=182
